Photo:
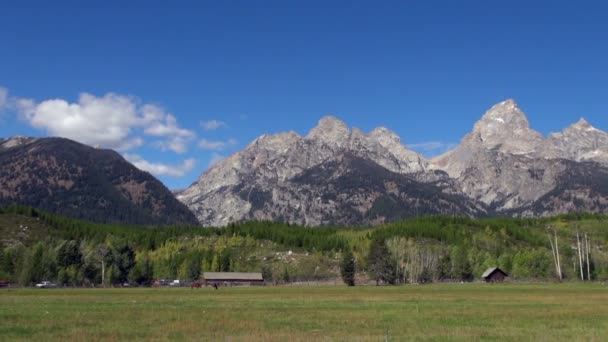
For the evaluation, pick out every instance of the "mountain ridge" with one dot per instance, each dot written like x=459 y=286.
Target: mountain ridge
x=503 y=166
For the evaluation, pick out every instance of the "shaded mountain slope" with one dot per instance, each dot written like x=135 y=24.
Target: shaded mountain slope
x=75 y=180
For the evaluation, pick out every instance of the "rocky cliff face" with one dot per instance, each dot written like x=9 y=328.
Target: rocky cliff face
x=71 y=179
x=337 y=175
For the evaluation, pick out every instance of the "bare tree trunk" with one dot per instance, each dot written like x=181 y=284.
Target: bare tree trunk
x=553 y=254
x=588 y=252
x=559 y=266
x=103 y=273
x=580 y=255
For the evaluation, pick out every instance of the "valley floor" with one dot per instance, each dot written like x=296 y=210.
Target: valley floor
x=539 y=312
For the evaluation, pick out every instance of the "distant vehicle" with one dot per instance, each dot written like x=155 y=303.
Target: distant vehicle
x=161 y=282
x=46 y=285
x=175 y=283
x=5 y=283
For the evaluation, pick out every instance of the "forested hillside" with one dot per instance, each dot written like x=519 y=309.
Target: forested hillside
x=38 y=246
x=75 y=180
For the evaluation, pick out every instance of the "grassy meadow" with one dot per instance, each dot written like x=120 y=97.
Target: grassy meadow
x=539 y=312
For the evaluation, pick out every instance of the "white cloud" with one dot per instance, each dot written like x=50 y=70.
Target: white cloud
x=159 y=169
x=26 y=107
x=432 y=147
x=129 y=144
x=212 y=125
x=104 y=121
x=3 y=97
x=215 y=158
x=167 y=127
x=216 y=145
x=110 y=121
x=175 y=144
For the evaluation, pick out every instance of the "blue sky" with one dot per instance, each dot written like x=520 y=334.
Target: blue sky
x=175 y=85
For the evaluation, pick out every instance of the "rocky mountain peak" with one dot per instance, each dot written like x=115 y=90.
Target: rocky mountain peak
x=582 y=125
x=505 y=126
x=579 y=141
x=384 y=134
x=330 y=130
x=503 y=113
x=275 y=140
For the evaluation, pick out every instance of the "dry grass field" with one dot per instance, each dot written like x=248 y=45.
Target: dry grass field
x=511 y=312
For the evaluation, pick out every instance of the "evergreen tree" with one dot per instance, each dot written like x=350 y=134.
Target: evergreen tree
x=347 y=268
x=122 y=259
x=379 y=263
x=141 y=273
x=69 y=254
x=194 y=269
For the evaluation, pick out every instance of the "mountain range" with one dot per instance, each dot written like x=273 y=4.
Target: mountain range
x=334 y=175
x=340 y=176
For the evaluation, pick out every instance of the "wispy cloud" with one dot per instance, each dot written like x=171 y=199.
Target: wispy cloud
x=175 y=144
x=160 y=169
x=212 y=125
x=3 y=97
x=432 y=148
x=216 y=145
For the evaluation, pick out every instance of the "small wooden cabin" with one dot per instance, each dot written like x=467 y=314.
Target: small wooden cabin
x=232 y=278
x=494 y=275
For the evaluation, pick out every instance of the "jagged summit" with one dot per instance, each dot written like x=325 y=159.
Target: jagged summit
x=505 y=126
x=579 y=141
x=582 y=124
x=330 y=130
x=383 y=133
x=504 y=113
x=506 y=105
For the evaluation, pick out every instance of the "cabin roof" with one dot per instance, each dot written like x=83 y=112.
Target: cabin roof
x=491 y=270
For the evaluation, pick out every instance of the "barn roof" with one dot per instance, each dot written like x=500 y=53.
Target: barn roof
x=233 y=276
x=491 y=270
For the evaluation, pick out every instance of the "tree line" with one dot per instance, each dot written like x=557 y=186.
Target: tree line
x=421 y=250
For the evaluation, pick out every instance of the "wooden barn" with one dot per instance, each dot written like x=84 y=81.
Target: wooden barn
x=494 y=275
x=232 y=278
